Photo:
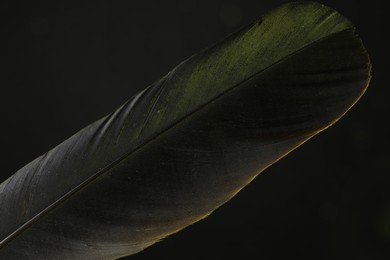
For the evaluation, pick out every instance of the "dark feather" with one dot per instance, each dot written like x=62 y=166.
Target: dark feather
x=185 y=145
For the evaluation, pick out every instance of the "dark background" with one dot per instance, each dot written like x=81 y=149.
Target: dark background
x=66 y=64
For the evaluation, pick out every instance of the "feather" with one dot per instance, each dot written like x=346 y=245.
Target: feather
x=185 y=145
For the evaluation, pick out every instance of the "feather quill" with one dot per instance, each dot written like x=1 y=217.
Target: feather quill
x=184 y=146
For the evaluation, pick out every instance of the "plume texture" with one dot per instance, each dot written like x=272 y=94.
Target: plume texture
x=185 y=145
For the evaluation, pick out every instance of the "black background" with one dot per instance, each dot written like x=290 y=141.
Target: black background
x=66 y=64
